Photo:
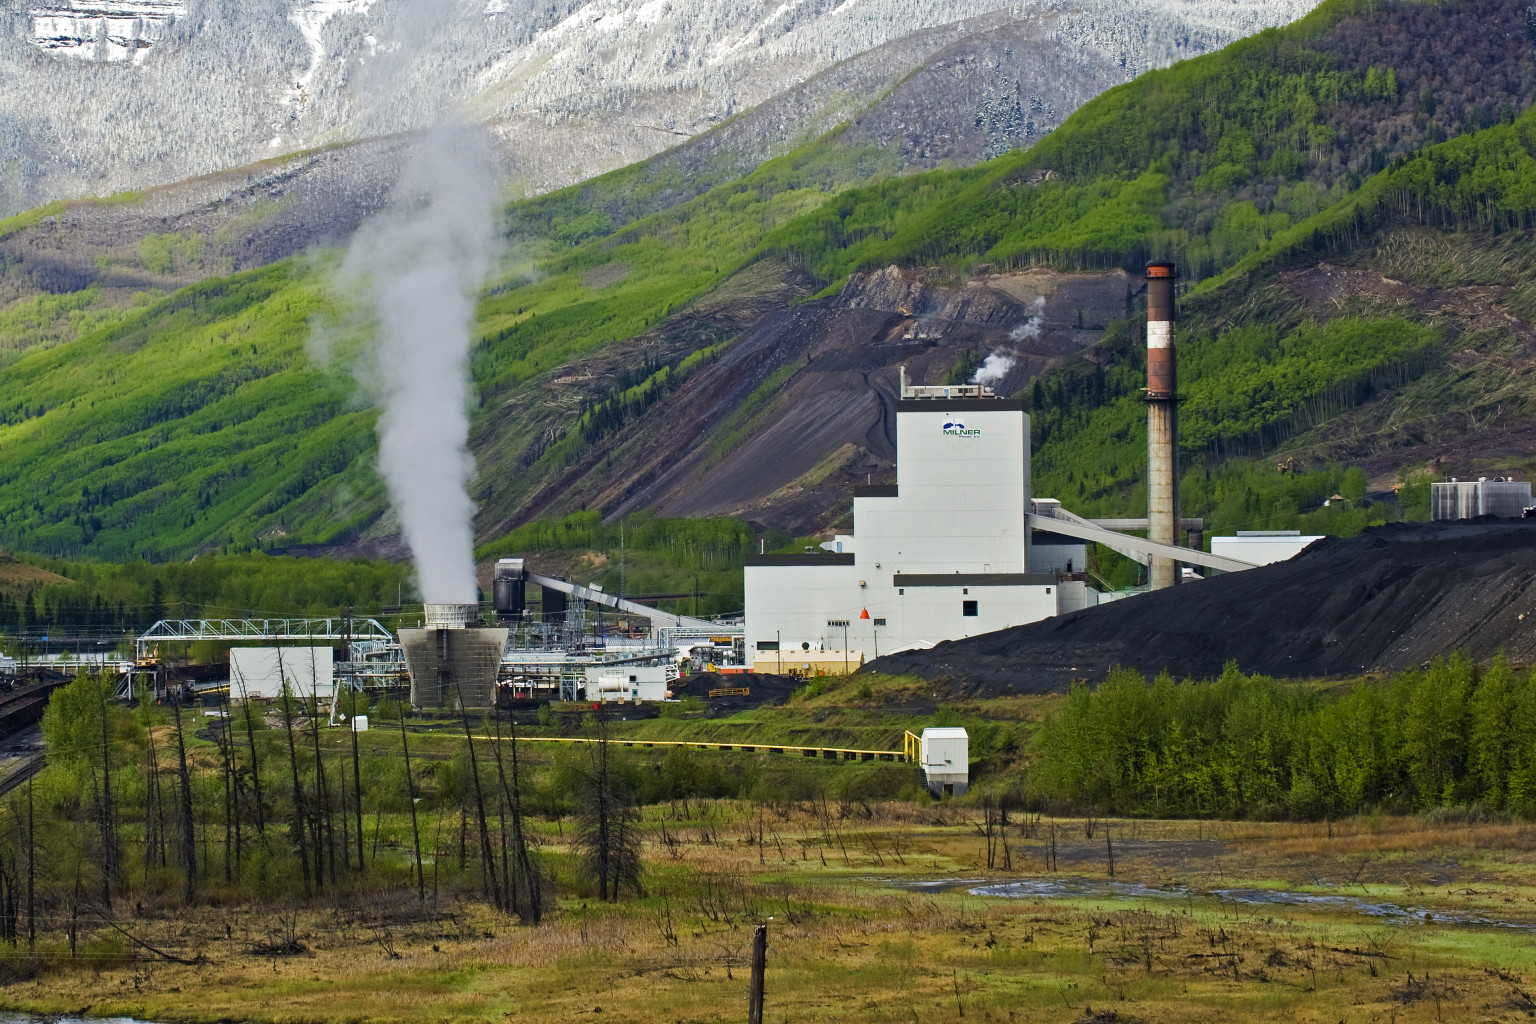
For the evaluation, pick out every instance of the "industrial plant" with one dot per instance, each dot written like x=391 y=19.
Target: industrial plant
x=957 y=546
x=960 y=545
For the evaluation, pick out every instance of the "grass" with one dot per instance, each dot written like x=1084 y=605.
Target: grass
x=849 y=940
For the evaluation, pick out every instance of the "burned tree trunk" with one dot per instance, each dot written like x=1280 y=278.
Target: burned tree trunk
x=606 y=839
x=410 y=795
x=299 y=822
x=489 y=858
x=108 y=806
x=357 y=783
x=187 y=835
x=523 y=883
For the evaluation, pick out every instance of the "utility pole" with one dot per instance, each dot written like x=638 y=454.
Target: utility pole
x=759 y=962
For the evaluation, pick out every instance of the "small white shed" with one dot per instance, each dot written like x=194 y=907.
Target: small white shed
x=944 y=756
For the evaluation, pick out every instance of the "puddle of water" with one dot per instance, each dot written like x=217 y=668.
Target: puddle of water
x=1079 y=888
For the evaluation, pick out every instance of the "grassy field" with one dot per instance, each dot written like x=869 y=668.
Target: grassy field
x=855 y=935
x=874 y=901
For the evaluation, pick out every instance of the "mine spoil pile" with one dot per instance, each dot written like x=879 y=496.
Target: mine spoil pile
x=1393 y=598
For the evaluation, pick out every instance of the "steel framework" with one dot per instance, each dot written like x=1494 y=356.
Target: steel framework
x=350 y=630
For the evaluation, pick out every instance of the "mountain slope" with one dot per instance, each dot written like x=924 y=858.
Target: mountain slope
x=571 y=88
x=726 y=351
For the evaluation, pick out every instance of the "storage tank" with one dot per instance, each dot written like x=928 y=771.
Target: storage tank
x=453 y=659
x=509 y=589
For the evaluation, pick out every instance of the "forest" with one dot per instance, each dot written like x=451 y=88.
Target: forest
x=138 y=438
x=1452 y=735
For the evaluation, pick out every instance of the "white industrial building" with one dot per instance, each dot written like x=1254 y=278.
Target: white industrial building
x=1263 y=547
x=261 y=672
x=956 y=547
x=944 y=553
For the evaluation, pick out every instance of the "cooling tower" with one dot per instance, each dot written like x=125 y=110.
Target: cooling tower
x=452 y=659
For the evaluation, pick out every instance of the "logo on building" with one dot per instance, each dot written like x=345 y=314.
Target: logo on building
x=957 y=428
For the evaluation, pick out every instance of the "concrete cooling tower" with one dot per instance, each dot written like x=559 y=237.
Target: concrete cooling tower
x=452 y=658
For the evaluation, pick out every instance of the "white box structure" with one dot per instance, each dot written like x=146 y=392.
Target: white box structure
x=260 y=672
x=1504 y=497
x=1262 y=547
x=943 y=554
x=626 y=683
x=944 y=757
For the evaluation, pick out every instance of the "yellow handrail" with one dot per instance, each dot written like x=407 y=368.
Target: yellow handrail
x=847 y=753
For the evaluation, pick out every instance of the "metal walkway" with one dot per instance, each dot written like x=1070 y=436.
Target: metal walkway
x=826 y=753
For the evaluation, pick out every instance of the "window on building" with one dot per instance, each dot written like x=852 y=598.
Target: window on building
x=767 y=645
x=1047 y=590
x=968 y=608
x=902 y=592
x=837 y=622
x=879 y=622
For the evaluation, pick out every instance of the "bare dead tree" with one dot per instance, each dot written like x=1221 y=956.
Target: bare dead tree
x=154 y=806
x=299 y=816
x=109 y=851
x=250 y=737
x=488 y=859
x=231 y=795
x=606 y=838
x=357 y=783
x=410 y=798
x=188 y=845
x=31 y=869
x=325 y=833
x=523 y=883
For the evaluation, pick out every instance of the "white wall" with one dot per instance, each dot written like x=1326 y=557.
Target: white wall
x=1260 y=550
x=962 y=494
x=254 y=671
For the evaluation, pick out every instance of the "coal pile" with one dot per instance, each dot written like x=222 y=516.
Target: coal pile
x=1393 y=598
x=762 y=688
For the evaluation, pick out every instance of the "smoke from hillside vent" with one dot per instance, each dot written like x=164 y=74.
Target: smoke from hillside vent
x=994 y=368
x=1030 y=329
x=421 y=262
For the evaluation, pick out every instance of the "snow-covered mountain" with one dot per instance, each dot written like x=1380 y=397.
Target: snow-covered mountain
x=98 y=96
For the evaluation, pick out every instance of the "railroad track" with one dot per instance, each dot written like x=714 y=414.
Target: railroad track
x=29 y=768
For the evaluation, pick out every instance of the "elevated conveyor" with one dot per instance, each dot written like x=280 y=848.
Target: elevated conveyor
x=1139 y=548
x=661 y=619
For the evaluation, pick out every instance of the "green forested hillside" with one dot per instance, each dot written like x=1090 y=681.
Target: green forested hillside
x=196 y=421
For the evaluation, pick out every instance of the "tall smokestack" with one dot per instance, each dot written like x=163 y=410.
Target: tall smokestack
x=1162 y=422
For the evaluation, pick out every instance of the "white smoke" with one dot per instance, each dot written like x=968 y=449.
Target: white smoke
x=994 y=368
x=421 y=263
x=1030 y=329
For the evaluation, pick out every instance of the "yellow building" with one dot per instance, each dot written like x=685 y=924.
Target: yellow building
x=808 y=663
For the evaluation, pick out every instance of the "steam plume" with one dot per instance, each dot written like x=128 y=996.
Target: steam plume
x=1030 y=329
x=994 y=368
x=421 y=262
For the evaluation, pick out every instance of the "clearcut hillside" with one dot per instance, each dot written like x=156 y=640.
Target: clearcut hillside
x=1348 y=199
